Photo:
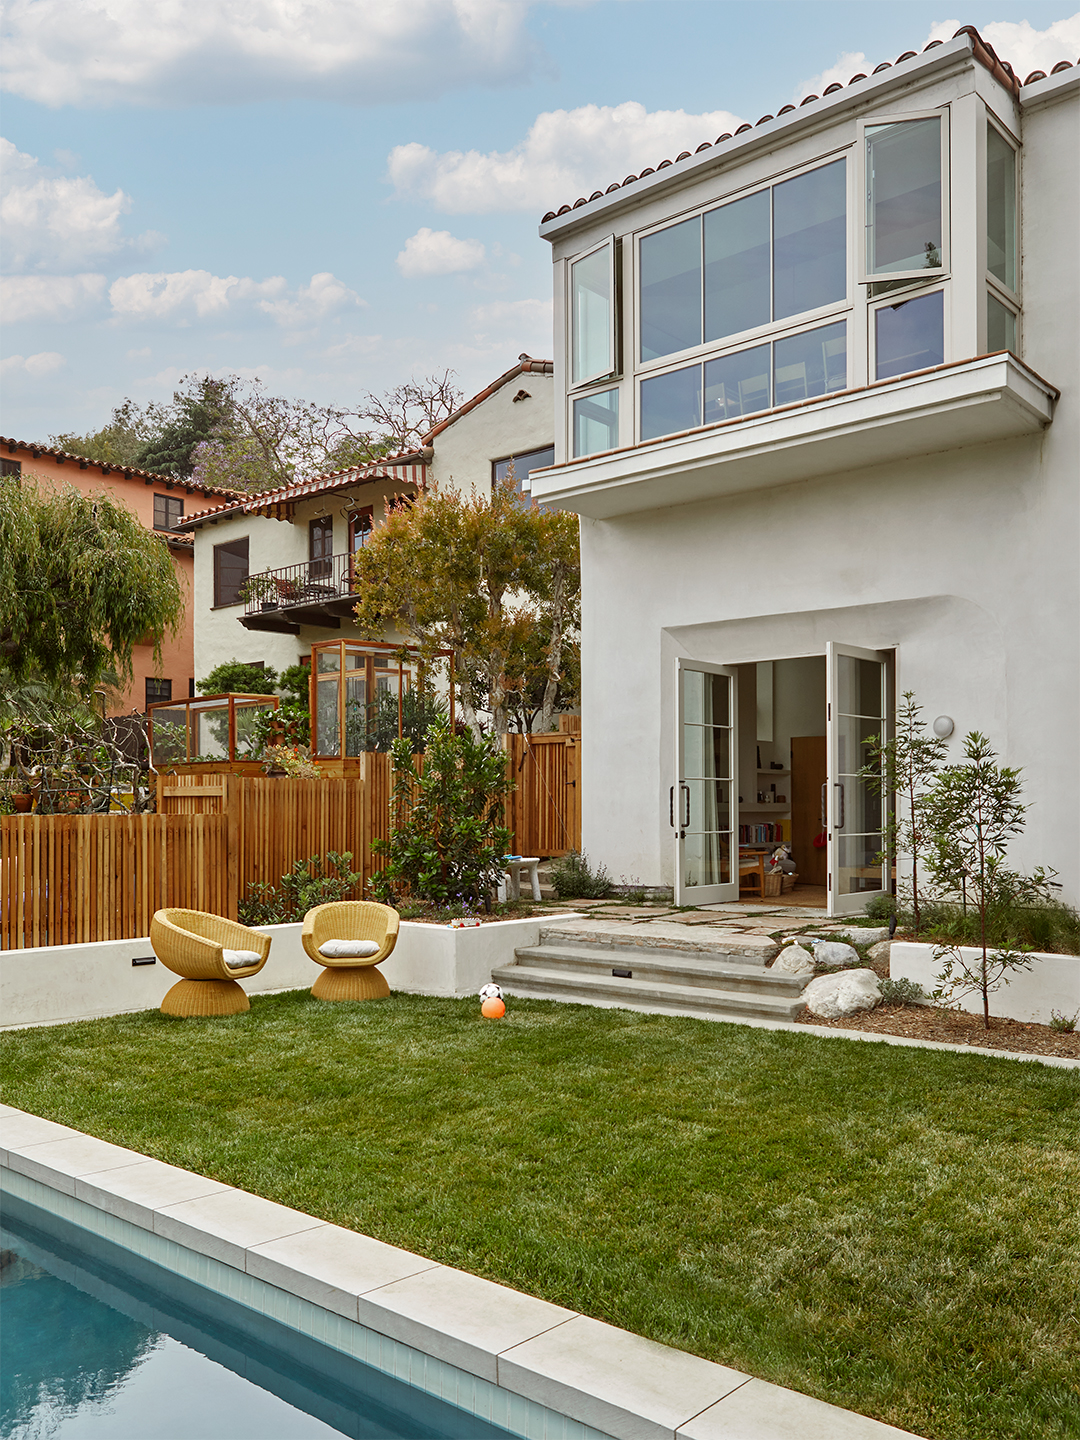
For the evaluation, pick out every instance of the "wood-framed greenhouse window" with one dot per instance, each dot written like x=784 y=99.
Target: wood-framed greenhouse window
x=359 y=691
x=208 y=729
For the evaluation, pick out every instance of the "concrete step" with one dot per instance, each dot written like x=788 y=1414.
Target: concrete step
x=735 y=946
x=652 y=995
x=670 y=967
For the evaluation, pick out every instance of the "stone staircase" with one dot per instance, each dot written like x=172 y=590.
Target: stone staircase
x=669 y=968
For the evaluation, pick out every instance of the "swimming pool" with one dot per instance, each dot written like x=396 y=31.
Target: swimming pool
x=101 y=1342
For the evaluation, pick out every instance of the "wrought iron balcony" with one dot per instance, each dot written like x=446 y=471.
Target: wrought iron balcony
x=314 y=592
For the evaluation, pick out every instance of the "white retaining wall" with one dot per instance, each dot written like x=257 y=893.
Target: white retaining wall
x=49 y=984
x=1052 y=983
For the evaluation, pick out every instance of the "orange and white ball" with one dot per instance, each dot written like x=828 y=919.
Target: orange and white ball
x=492 y=1005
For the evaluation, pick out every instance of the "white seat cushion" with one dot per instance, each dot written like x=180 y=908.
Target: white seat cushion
x=240 y=959
x=349 y=949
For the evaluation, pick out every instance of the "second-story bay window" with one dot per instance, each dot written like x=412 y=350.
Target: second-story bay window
x=904 y=220
x=779 y=252
x=596 y=422
x=1000 y=208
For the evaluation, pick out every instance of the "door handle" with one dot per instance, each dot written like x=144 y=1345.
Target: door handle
x=839 y=786
x=671 y=807
x=825 y=806
x=686 y=822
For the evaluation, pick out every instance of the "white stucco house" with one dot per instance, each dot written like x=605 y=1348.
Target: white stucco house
x=273 y=572
x=816 y=405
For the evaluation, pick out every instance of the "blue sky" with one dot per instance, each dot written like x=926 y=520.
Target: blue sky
x=336 y=195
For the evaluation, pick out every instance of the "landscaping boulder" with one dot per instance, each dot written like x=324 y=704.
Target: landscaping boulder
x=833 y=996
x=794 y=960
x=881 y=951
x=834 y=952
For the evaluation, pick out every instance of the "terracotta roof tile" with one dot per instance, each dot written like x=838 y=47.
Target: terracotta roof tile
x=151 y=477
x=981 y=50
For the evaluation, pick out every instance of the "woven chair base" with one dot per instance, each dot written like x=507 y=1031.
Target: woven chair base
x=351 y=982
x=205 y=997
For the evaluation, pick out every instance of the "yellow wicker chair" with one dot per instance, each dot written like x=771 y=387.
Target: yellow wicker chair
x=193 y=945
x=349 y=977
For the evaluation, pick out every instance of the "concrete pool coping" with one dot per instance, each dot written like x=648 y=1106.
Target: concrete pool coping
x=546 y=1362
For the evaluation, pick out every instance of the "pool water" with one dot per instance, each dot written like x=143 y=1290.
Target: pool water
x=100 y=1344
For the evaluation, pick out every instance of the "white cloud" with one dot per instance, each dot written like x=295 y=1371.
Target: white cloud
x=183 y=52
x=437 y=252
x=521 y=325
x=1025 y=48
x=55 y=222
x=311 y=303
x=43 y=363
x=852 y=62
x=566 y=153
x=186 y=295
x=50 y=297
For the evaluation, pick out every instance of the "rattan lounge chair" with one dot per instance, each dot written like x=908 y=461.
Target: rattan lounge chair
x=354 y=925
x=211 y=954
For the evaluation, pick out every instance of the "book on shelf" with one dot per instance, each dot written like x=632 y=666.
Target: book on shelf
x=771 y=832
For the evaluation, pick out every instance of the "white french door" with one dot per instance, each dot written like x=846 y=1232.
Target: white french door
x=858 y=709
x=703 y=808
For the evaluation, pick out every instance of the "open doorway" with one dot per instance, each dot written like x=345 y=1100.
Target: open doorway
x=783 y=774
x=769 y=753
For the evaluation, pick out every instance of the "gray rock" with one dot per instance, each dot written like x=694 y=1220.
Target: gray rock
x=834 y=996
x=880 y=951
x=794 y=961
x=834 y=952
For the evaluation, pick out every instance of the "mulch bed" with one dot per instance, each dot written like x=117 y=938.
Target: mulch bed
x=955 y=1027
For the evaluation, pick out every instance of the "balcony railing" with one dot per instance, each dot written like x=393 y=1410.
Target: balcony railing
x=314 y=592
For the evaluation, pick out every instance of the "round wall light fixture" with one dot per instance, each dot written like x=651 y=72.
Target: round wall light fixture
x=943 y=727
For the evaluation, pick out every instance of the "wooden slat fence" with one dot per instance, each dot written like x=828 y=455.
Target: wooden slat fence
x=66 y=879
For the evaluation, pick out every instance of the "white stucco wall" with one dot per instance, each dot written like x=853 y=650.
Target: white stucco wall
x=964 y=562
x=499 y=426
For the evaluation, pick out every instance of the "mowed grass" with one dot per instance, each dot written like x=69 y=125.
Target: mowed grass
x=889 y=1229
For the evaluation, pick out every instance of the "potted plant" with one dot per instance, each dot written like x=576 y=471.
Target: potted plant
x=262 y=588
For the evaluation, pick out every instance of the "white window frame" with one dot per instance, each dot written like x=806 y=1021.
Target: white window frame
x=1009 y=298
x=899 y=297
x=613 y=316
x=873 y=122
x=825 y=315
x=583 y=393
x=708 y=349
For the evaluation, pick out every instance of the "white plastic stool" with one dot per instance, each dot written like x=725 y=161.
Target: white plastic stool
x=513 y=868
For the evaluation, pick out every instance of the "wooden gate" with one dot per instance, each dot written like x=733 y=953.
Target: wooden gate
x=544 y=812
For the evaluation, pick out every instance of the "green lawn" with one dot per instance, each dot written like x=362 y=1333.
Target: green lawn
x=890 y=1229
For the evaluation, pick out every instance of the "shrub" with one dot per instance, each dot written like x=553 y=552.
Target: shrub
x=238 y=678
x=881 y=908
x=901 y=992
x=317 y=881
x=295 y=760
x=572 y=879
x=447 y=837
x=1066 y=1024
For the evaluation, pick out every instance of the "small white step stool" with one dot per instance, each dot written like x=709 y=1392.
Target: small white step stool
x=512 y=880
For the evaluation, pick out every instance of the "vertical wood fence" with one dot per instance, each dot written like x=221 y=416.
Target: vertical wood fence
x=66 y=879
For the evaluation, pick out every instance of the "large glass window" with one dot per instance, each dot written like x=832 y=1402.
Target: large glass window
x=592 y=309
x=910 y=335
x=776 y=253
x=737 y=288
x=903 y=181
x=795 y=368
x=1000 y=208
x=671 y=289
x=737 y=384
x=523 y=466
x=810 y=241
x=1000 y=326
x=596 y=422
x=230 y=571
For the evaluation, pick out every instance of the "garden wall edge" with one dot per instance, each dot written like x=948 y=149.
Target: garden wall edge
x=1031 y=996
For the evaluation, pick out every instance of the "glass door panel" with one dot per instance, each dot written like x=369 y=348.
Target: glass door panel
x=858 y=711
x=701 y=811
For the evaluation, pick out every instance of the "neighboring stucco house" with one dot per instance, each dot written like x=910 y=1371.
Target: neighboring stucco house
x=273 y=571
x=816 y=405
x=159 y=501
